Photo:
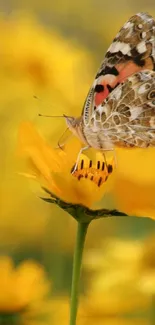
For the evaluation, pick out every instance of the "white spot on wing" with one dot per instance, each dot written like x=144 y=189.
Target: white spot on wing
x=143 y=34
x=142 y=89
x=118 y=93
x=120 y=46
x=128 y=25
x=125 y=49
x=135 y=112
x=140 y=26
x=141 y=47
x=100 y=109
x=108 y=78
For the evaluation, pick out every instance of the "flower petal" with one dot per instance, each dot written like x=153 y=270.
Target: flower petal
x=83 y=191
x=134 y=188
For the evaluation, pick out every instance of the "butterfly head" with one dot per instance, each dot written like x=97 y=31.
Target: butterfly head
x=73 y=123
x=75 y=126
x=70 y=121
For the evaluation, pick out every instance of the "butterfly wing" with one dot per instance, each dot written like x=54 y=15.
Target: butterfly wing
x=132 y=50
x=127 y=116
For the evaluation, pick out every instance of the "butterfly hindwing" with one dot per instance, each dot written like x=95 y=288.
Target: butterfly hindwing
x=127 y=116
x=132 y=50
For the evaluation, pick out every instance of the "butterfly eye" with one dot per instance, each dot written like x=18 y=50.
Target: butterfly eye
x=151 y=95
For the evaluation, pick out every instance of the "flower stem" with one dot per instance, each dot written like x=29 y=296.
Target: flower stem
x=78 y=252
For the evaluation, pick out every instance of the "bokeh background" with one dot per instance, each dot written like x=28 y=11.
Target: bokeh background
x=51 y=50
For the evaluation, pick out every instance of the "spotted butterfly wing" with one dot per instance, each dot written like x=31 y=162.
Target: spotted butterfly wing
x=126 y=118
x=132 y=50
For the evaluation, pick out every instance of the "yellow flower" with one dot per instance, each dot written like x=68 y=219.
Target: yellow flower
x=114 y=279
x=134 y=186
x=23 y=291
x=43 y=64
x=53 y=169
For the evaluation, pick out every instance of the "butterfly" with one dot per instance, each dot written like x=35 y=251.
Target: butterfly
x=119 y=110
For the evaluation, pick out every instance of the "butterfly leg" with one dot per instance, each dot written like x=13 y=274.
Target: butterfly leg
x=78 y=158
x=62 y=140
x=105 y=160
x=115 y=158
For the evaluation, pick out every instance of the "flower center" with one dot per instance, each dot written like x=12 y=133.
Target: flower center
x=97 y=174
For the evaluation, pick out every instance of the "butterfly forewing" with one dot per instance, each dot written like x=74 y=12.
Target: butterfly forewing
x=132 y=50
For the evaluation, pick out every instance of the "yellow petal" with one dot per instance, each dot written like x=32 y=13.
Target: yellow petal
x=83 y=191
x=32 y=145
x=137 y=164
x=134 y=186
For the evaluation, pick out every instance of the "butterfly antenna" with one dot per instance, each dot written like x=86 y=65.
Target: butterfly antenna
x=42 y=115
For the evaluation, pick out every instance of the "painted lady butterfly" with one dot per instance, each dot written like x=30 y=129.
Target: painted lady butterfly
x=120 y=107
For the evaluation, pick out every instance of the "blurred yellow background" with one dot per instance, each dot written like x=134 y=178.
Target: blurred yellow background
x=51 y=50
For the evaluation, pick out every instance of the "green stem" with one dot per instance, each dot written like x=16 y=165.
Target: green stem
x=78 y=252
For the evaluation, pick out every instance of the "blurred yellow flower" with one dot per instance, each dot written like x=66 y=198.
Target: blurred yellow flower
x=43 y=57
x=116 y=274
x=114 y=278
x=146 y=281
x=89 y=313
x=53 y=169
x=35 y=60
x=23 y=292
x=134 y=186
